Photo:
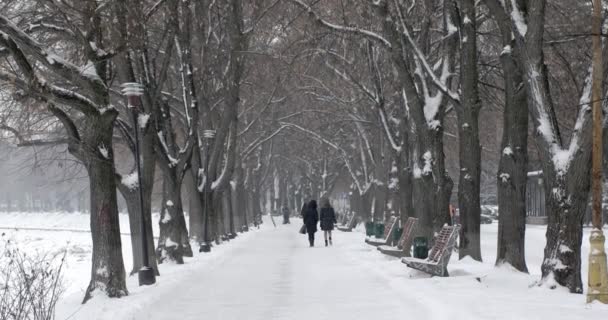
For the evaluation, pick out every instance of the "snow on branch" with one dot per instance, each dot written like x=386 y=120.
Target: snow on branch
x=345 y=29
x=258 y=142
x=439 y=82
x=33 y=27
x=562 y=158
x=518 y=19
x=319 y=138
x=172 y=161
x=387 y=129
x=342 y=74
x=259 y=114
x=224 y=174
x=49 y=59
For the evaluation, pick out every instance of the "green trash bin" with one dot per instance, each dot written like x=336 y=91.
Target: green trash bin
x=421 y=248
x=379 y=230
x=369 y=229
x=397 y=235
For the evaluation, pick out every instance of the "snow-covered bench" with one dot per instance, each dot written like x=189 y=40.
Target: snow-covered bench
x=405 y=242
x=386 y=237
x=437 y=262
x=350 y=224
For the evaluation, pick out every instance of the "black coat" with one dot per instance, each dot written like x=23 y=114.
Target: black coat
x=328 y=219
x=311 y=218
x=303 y=211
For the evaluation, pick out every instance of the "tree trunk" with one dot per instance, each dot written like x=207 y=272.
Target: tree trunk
x=218 y=221
x=195 y=207
x=512 y=170
x=227 y=195
x=131 y=195
x=173 y=242
x=468 y=136
x=254 y=198
x=133 y=208
x=107 y=268
x=566 y=207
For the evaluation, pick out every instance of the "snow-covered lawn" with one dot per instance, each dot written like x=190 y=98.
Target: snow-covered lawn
x=272 y=274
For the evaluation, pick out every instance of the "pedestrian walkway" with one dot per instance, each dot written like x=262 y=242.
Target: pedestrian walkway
x=275 y=275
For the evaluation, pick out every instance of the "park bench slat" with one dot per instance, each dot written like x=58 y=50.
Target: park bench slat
x=405 y=242
x=439 y=257
x=350 y=225
x=392 y=222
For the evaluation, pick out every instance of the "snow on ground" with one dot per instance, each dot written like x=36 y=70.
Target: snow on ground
x=271 y=273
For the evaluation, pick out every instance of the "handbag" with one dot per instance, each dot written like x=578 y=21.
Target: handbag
x=303 y=229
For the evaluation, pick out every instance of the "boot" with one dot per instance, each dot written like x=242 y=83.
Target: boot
x=330 y=243
x=326 y=243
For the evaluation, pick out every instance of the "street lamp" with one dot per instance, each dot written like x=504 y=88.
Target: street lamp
x=208 y=135
x=598 y=275
x=134 y=91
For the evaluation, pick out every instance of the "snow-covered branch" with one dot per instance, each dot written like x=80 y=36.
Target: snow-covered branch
x=76 y=74
x=438 y=81
x=258 y=142
x=339 y=28
x=334 y=146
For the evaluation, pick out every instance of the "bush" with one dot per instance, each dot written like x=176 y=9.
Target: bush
x=30 y=284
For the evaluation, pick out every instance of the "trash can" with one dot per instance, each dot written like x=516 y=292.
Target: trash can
x=379 y=230
x=397 y=235
x=369 y=229
x=421 y=248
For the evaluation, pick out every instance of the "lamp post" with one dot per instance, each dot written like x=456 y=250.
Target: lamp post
x=134 y=91
x=208 y=135
x=598 y=276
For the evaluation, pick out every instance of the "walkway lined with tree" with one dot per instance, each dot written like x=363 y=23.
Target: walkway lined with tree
x=243 y=107
x=291 y=281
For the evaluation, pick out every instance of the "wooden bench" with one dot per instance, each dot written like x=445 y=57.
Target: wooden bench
x=437 y=262
x=344 y=219
x=386 y=237
x=350 y=225
x=405 y=242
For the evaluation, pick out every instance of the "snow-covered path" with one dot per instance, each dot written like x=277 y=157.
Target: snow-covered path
x=275 y=275
x=271 y=273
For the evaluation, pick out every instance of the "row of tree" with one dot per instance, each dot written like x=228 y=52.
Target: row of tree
x=289 y=98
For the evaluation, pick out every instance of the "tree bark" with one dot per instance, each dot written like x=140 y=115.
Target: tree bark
x=566 y=170
x=468 y=134
x=513 y=165
x=135 y=222
x=171 y=245
x=195 y=207
x=107 y=269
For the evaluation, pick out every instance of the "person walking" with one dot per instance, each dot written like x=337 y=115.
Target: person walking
x=328 y=219
x=285 y=215
x=311 y=218
x=304 y=208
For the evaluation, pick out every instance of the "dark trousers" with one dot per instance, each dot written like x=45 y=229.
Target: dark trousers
x=311 y=238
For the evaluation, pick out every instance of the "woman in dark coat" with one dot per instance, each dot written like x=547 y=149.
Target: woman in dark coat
x=328 y=219
x=311 y=218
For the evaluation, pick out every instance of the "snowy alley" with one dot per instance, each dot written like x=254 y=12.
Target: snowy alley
x=271 y=273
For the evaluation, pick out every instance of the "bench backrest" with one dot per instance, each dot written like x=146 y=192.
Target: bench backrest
x=444 y=241
x=408 y=229
x=388 y=230
x=353 y=221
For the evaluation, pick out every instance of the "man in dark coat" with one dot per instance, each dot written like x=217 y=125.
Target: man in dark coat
x=311 y=218
x=328 y=219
